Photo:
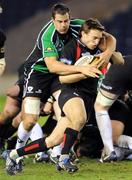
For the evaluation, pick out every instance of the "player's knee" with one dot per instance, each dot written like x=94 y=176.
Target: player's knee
x=16 y=121
x=6 y=115
x=80 y=125
x=13 y=91
x=79 y=121
x=32 y=106
x=98 y=106
x=29 y=120
x=29 y=124
x=102 y=102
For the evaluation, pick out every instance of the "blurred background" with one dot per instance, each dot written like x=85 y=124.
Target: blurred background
x=22 y=21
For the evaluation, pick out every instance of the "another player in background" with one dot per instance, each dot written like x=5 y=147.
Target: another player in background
x=2 y=63
x=2 y=52
x=117 y=82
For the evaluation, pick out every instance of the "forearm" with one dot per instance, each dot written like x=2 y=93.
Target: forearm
x=117 y=58
x=110 y=43
x=72 y=78
x=64 y=69
x=58 y=67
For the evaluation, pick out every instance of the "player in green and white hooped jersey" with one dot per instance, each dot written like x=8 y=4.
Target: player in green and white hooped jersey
x=50 y=41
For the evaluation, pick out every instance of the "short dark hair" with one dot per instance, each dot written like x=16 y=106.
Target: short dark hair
x=60 y=9
x=91 y=24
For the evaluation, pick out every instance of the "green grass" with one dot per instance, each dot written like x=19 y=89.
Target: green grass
x=89 y=169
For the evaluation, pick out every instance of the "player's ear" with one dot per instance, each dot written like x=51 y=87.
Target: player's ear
x=82 y=33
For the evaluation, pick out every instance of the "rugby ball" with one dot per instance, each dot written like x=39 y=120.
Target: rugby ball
x=89 y=59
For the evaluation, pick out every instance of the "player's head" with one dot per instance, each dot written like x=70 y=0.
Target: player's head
x=91 y=33
x=61 y=18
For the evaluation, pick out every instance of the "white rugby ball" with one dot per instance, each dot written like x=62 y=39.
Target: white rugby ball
x=84 y=60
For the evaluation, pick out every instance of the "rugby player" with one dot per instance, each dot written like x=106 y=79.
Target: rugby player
x=117 y=82
x=54 y=139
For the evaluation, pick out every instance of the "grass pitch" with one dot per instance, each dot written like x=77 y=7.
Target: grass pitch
x=89 y=169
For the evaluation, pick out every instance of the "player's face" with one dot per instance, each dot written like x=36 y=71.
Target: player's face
x=61 y=23
x=92 y=38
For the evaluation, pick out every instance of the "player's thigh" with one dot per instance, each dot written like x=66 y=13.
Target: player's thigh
x=74 y=109
x=16 y=120
x=12 y=106
x=104 y=100
x=13 y=91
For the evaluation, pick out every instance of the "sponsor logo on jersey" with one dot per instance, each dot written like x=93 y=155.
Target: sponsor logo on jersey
x=30 y=88
x=76 y=94
x=85 y=54
x=106 y=87
x=49 y=49
x=66 y=61
x=39 y=91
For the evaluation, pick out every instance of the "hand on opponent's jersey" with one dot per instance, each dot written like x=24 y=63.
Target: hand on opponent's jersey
x=88 y=66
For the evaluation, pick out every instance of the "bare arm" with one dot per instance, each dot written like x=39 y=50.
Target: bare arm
x=110 y=43
x=72 y=78
x=108 y=46
x=58 y=67
x=117 y=58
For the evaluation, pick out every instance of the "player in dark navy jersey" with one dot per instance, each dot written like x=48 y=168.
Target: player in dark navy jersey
x=80 y=95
